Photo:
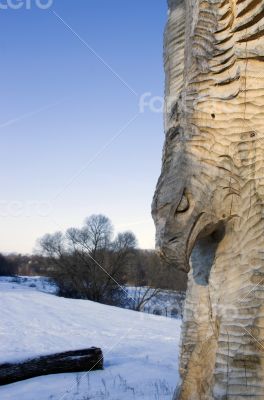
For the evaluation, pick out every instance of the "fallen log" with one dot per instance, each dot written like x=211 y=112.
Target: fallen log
x=71 y=361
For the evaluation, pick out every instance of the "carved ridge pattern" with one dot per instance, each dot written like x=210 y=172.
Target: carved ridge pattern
x=215 y=75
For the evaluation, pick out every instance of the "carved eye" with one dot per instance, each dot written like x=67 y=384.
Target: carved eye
x=173 y=132
x=184 y=204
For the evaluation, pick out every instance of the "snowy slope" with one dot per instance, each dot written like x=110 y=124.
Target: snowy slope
x=140 y=350
x=40 y=283
x=168 y=303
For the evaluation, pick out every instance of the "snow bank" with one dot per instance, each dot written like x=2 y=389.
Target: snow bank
x=140 y=350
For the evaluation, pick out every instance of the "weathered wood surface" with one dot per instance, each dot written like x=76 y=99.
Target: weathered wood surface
x=71 y=361
x=209 y=202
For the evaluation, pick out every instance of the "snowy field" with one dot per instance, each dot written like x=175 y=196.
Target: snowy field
x=167 y=303
x=140 y=350
x=39 y=283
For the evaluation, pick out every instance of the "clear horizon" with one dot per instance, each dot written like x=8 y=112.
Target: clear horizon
x=81 y=122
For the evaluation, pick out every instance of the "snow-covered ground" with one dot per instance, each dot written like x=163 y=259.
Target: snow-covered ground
x=39 y=283
x=140 y=350
x=168 y=303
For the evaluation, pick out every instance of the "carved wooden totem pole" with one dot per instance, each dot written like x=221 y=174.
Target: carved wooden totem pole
x=209 y=203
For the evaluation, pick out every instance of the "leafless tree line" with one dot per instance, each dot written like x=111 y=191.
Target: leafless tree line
x=91 y=263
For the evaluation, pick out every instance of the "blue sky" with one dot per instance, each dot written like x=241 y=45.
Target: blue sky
x=73 y=140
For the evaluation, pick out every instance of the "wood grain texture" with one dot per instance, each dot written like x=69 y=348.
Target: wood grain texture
x=209 y=202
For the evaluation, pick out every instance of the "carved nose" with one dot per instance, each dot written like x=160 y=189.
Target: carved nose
x=161 y=253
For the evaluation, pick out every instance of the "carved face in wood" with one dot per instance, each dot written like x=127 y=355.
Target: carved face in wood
x=191 y=199
x=212 y=130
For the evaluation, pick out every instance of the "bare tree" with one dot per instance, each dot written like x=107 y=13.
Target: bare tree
x=148 y=270
x=7 y=266
x=142 y=297
x=87 y=262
